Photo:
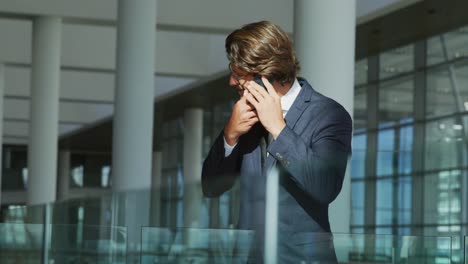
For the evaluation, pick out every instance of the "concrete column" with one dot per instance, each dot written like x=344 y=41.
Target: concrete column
x=155 y=216
x=63 y=174
x=324 y=36
x=193 y=137
x=134 y=95
x=133 y=119
x=43 y=131
x=2 y=91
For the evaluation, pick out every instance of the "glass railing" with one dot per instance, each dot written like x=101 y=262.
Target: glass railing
x=192 y=245
x=87 y=244
x=465 y=247
x=160 y=226
x=360 y=248
x=37 y=243
x=164 y=245
x=21 y=243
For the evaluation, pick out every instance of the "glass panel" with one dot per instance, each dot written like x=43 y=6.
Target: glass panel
x=24 y=214
x=24 y=243
x=90 y=170
x=466 y=249
x=444 y=144
x=385 y=152
x=358 y=203
x=424 y=249
x=384 y=207
x=358 y=158
x=21 y=243
x=404 y=199
x=396 y=61
x=88 y=244
x=191 y=245
x=172 y=178
x=360 y=72
x=442 y=207
x=360 y=109
x=447 y=89
x=13 y=214
x=357 y=248
x=396 y=101
x=448 y=46
x=14 y=168
x=405 y=152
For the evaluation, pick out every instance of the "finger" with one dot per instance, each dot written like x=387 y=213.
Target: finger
x=246 y=105
x=249 y=97
x=252 y=121
x=269 y=87
x=250 y=114
x=253 y=89
x=262 y=90
x=249 y=106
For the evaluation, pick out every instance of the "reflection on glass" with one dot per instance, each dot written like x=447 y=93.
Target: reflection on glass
x=90 y=170
x=358 y=158
x=172 y=167
x=465 y=239
x=24 y=243
x=358 y=203
x=191 y=245
x=77 y=176
x=447 y=46
x=404 y=203
x=447 y=90
x=14 y=168
x=396 y=61
x=360 y=72
x=444 y=144
x=87 y=244
x=385 y=152
x=358 y=170
x=384 y=204
x=360 y=109
x=21 y=243
x=396 y=101
x=405 y=152
x=105 y=172
x=358 y=248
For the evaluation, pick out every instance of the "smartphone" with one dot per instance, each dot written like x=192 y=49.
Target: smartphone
x=258 y=79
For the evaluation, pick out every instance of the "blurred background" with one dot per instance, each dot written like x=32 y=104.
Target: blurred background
x=109 y=108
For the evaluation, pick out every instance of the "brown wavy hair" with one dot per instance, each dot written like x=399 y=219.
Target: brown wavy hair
x=263 y=48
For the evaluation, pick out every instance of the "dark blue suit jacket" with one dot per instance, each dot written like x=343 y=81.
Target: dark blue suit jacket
x=311 y=153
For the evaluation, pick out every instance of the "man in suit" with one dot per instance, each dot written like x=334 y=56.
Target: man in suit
x=287 y=125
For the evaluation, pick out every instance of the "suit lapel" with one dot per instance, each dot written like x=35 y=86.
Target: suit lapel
x=299 y=105
x=294 y=113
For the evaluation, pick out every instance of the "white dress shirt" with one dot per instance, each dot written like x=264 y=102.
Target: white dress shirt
x=286 y=102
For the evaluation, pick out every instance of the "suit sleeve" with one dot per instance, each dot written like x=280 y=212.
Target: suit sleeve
x=219 y=172
x=317 y=167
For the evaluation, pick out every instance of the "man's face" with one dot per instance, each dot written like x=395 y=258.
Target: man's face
x=238 y=78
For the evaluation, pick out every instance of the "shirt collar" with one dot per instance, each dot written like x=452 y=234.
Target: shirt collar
x=288 y=99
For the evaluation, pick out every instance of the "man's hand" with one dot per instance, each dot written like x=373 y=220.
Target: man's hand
x=267 y=104
x=242 y=119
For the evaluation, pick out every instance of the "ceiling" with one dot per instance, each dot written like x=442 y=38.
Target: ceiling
x=189 y=47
